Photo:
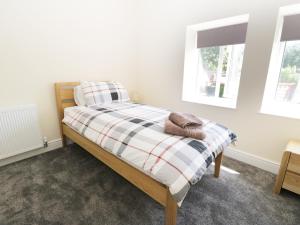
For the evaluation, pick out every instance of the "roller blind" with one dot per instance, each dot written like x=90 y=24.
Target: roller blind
x=227 y=35
x=291 y=28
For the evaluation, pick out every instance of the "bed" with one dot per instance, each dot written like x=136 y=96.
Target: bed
x=129 y=138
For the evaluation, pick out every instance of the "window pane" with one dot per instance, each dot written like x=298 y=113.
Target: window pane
x=288 y=88
x=219 y=70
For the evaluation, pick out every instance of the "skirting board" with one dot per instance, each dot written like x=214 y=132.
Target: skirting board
x=252 y=160
x=53 y=144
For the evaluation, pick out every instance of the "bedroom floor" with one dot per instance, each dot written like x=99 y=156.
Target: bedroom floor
x=69 y=186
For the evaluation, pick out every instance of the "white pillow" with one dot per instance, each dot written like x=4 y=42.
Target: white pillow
x=78 y=96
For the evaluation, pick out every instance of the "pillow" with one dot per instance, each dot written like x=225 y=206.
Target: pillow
x=78 y=96
x=103 y=92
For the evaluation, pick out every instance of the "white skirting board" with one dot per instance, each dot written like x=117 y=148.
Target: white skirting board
x=252 y=160
x=230 y=152
x=52 y=145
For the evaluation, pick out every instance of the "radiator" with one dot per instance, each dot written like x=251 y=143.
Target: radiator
x=19 y=130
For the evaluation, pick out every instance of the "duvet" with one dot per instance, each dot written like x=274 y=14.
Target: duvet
x=135 y=134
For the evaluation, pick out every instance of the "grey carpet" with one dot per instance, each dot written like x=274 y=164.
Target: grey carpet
x=70 y=187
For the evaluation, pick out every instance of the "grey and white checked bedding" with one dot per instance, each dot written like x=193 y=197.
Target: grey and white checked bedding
x=105 y=92
x=134 y=133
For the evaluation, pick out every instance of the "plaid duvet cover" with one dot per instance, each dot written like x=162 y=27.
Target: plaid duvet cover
x=134 y=133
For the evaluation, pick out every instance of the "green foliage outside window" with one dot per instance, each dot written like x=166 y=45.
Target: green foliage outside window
x=291 y=63
x=289 y=75
x=292 y=55
x=210 y=58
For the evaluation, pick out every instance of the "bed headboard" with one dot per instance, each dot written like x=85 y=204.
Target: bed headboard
x=64 y=98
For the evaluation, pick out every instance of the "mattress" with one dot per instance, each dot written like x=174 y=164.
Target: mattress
x=135 y=134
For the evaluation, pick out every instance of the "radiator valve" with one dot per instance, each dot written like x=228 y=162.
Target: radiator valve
x=45 y=141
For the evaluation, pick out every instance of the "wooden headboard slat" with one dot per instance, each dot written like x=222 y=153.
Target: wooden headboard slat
x=64 y=92
x=70 y=100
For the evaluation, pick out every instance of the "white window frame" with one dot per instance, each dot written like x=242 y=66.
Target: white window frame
x=191 y=63
x=269 y=104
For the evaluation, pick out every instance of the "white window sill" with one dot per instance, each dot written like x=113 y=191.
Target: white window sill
x=283 y=110
x=212 y=101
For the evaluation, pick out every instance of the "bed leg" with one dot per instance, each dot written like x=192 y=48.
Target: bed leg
x=218 y=163
x=64 y=141
x=170 y=210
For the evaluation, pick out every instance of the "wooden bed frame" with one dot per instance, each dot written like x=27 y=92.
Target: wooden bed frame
x=155 y=189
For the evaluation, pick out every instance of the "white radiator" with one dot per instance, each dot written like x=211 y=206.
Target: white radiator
x=19 y=130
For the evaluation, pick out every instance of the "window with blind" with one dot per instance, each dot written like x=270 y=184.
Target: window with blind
x=282 y=92
x=213 y=61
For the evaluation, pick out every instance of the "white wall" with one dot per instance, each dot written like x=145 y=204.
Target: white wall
x=141 y=44
x=162 y=26
x=42 y=42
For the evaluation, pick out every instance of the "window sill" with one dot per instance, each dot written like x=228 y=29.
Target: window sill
x=283 y=110
x=224 y=103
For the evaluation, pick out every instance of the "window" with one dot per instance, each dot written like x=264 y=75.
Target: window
x=282 y=91
x=213 y=61
x=219 y=70
x=288 y=87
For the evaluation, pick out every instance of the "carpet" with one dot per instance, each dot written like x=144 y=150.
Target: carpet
x=70 y=187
